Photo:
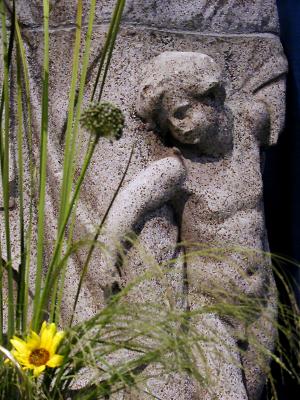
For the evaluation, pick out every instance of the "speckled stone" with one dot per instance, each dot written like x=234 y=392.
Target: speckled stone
x=206 y=16
x=210 y=193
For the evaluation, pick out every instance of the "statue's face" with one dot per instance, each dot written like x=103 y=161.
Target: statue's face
x=182 y=95
x=197 y=117
x=192 y=118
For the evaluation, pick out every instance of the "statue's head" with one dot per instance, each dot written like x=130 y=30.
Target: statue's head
x=182 y=94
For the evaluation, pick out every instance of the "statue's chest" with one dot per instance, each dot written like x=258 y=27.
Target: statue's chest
x=216 y=190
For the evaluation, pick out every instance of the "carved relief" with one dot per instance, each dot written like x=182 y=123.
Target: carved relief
x=202 y=121
x=214 y=185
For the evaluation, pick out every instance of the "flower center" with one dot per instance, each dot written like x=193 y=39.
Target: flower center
x=39 y=357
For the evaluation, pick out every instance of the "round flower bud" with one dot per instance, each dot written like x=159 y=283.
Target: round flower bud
x=103 y=120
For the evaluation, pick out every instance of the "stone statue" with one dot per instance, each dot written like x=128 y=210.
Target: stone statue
x=213 y=183
x=209 y=98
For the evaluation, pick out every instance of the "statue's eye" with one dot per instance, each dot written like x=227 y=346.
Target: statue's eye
x=211 y=96
x=180 y=112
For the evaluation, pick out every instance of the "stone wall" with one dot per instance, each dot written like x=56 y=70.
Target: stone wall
x=208 y=79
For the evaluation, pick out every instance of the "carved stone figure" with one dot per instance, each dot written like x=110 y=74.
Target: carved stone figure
x=209 y=98
x=214 y=185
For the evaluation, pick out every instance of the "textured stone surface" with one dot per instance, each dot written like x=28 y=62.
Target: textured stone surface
x=207 y=16
x=62 y=12
x=225 y=192
x=227 y=86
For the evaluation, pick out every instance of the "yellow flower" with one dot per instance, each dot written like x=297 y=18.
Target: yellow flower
x=38 y=351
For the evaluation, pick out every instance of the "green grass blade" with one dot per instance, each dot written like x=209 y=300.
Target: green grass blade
x=109 y=43
x=43 y=165
x=70 y=138
x=21 y=291
x=72 y=163
x=105 y=56
x=4 y=151
x=27 y=102
x=46 y=292
x=112 y=39
x=1 y=296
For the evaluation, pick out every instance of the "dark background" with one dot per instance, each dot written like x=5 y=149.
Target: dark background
x=282 y=172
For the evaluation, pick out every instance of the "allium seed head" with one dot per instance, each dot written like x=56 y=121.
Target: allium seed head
x=103 y=120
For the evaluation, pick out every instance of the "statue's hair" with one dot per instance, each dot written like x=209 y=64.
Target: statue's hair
x=171 y=69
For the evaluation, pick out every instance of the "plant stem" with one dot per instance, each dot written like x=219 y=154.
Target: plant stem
x=43 y=167
x=108 y=46
x=116 y=26
x=21 y=282
x=4 y=154
x=51 y=276
x=70 y=138
x=105 y=56
x=27 y=101
x=70 y=167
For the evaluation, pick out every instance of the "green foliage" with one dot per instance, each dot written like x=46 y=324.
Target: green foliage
x=127 y=342
x=49 y=288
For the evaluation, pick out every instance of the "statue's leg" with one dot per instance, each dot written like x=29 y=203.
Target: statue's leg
x=218 y=361
x=261 y=340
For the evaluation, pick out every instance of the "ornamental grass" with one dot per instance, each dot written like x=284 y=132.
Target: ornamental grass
x=126 y=343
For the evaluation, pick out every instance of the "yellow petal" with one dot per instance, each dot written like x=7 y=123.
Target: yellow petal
x=56 y=341
x=19 y=345
x=55 y=361
x=47 y=333
x=23 y=360
x=44 y=326
x=33 y=341
x=38 y=370
x=20 y=357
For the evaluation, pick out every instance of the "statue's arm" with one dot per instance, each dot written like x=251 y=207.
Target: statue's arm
x=149 y=190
